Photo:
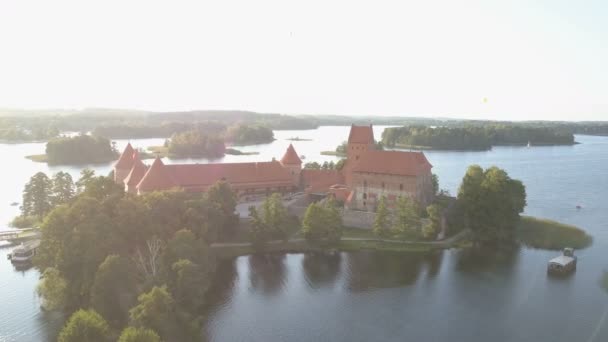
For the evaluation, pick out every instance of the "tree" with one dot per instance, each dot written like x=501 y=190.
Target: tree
x=52 y=289
x=86 y=176
x=258 y=231
x=63 y=188
x=435 y=181
x=79 y=149
x=322 y=222
x=312 y=166
x=382 y=221
x=407 y=219
x=221 y=194
x=275 y=216
x=85 y=325
x=113 y=291
x=131 y=334
x=37 y=196
x=492 y=202
x=185 y=246
x=313 y=223
x=190 y=284
x=154 y=311
x=430 y=230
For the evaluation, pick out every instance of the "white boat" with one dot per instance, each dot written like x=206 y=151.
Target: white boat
x=24 y=252
x=563 y=264
x=529 y=144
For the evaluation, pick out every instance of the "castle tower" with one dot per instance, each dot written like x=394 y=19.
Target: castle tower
x=124 y=165
x=157 y=178
x=360 y=140
x=293 y=163
x=135 y=175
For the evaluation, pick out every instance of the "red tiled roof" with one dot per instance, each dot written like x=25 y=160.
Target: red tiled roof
x=321 y=180
x=290 y=157
x=137 y=172
x=125 y=161
x=393 y=163
x=200 y=176
x=361 y=134
x=157 y=178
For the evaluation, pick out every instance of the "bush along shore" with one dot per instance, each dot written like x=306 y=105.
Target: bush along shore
x=547 y=234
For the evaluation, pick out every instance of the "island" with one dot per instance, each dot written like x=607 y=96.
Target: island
x=473 y=137
x=80 y=149
x=152 y=236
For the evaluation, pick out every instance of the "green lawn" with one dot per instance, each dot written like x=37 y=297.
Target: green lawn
x=547 y=234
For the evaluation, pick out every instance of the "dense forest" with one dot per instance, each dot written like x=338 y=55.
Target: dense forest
x=475 y=137
x=80 y=149
x=134 y=266
x=241 y=134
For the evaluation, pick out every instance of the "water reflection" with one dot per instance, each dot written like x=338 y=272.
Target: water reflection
x=372 y=270
x=477 y=260
x=320 y=269
x=267 y=273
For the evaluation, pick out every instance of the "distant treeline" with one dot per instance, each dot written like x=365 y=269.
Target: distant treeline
x=477 y=137
x=80 y=149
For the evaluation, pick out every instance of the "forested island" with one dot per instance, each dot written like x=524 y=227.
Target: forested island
x=157 y=252
x=478 y=137
x=80 y=149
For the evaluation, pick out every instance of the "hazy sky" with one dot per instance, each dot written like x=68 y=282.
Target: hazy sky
x=527 y=59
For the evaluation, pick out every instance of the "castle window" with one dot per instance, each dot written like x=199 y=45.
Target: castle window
x=357 y=158
x=364 y=196
x=382 y=185
x=401 y=187
x=365 y=184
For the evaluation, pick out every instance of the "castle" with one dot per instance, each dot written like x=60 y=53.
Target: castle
x=366 y=176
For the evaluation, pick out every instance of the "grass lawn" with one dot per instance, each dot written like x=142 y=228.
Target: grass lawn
x=547 y=234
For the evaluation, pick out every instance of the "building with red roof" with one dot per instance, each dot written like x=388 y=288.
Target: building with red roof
x=367 y=174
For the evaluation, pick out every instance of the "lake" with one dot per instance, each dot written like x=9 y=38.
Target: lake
x=365 y=296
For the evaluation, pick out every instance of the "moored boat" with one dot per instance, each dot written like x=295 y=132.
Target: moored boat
x=24 y=253
x=563 y=264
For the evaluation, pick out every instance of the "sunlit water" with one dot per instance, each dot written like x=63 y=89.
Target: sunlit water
x=365 y=296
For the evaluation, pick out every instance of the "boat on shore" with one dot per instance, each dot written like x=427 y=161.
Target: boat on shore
x=563 y=264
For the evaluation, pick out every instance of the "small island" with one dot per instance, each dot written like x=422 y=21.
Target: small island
x=298 y=139
x=80 y=149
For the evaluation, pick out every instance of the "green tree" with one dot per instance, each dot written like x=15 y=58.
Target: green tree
x=275 y=216
x=221 y=194
x=407 y=218
x=131 y=334
x=312 y=166
x=435 y=181
x=85 y=325
x=114 y=291
x=313 y=223
x=154 y=311
x=492 y=202
x=259 y=231
x=63 y=188
x=79 y=149
x=382 y=221
x=37 y=196
x=52 y=289
x=189 y=285
x=322 y=222
x=430 y=230
x=86 y=176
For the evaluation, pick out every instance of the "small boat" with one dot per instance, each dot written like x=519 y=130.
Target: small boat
x=14 y=204
x=579 y=207
x=563 y=264
x=529 y=144
x=23 y=253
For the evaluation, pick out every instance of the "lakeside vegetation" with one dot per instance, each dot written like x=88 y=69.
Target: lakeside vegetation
x=475 y=137
x=547 y=234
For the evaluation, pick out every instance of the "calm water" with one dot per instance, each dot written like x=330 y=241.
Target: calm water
x=449 y=295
